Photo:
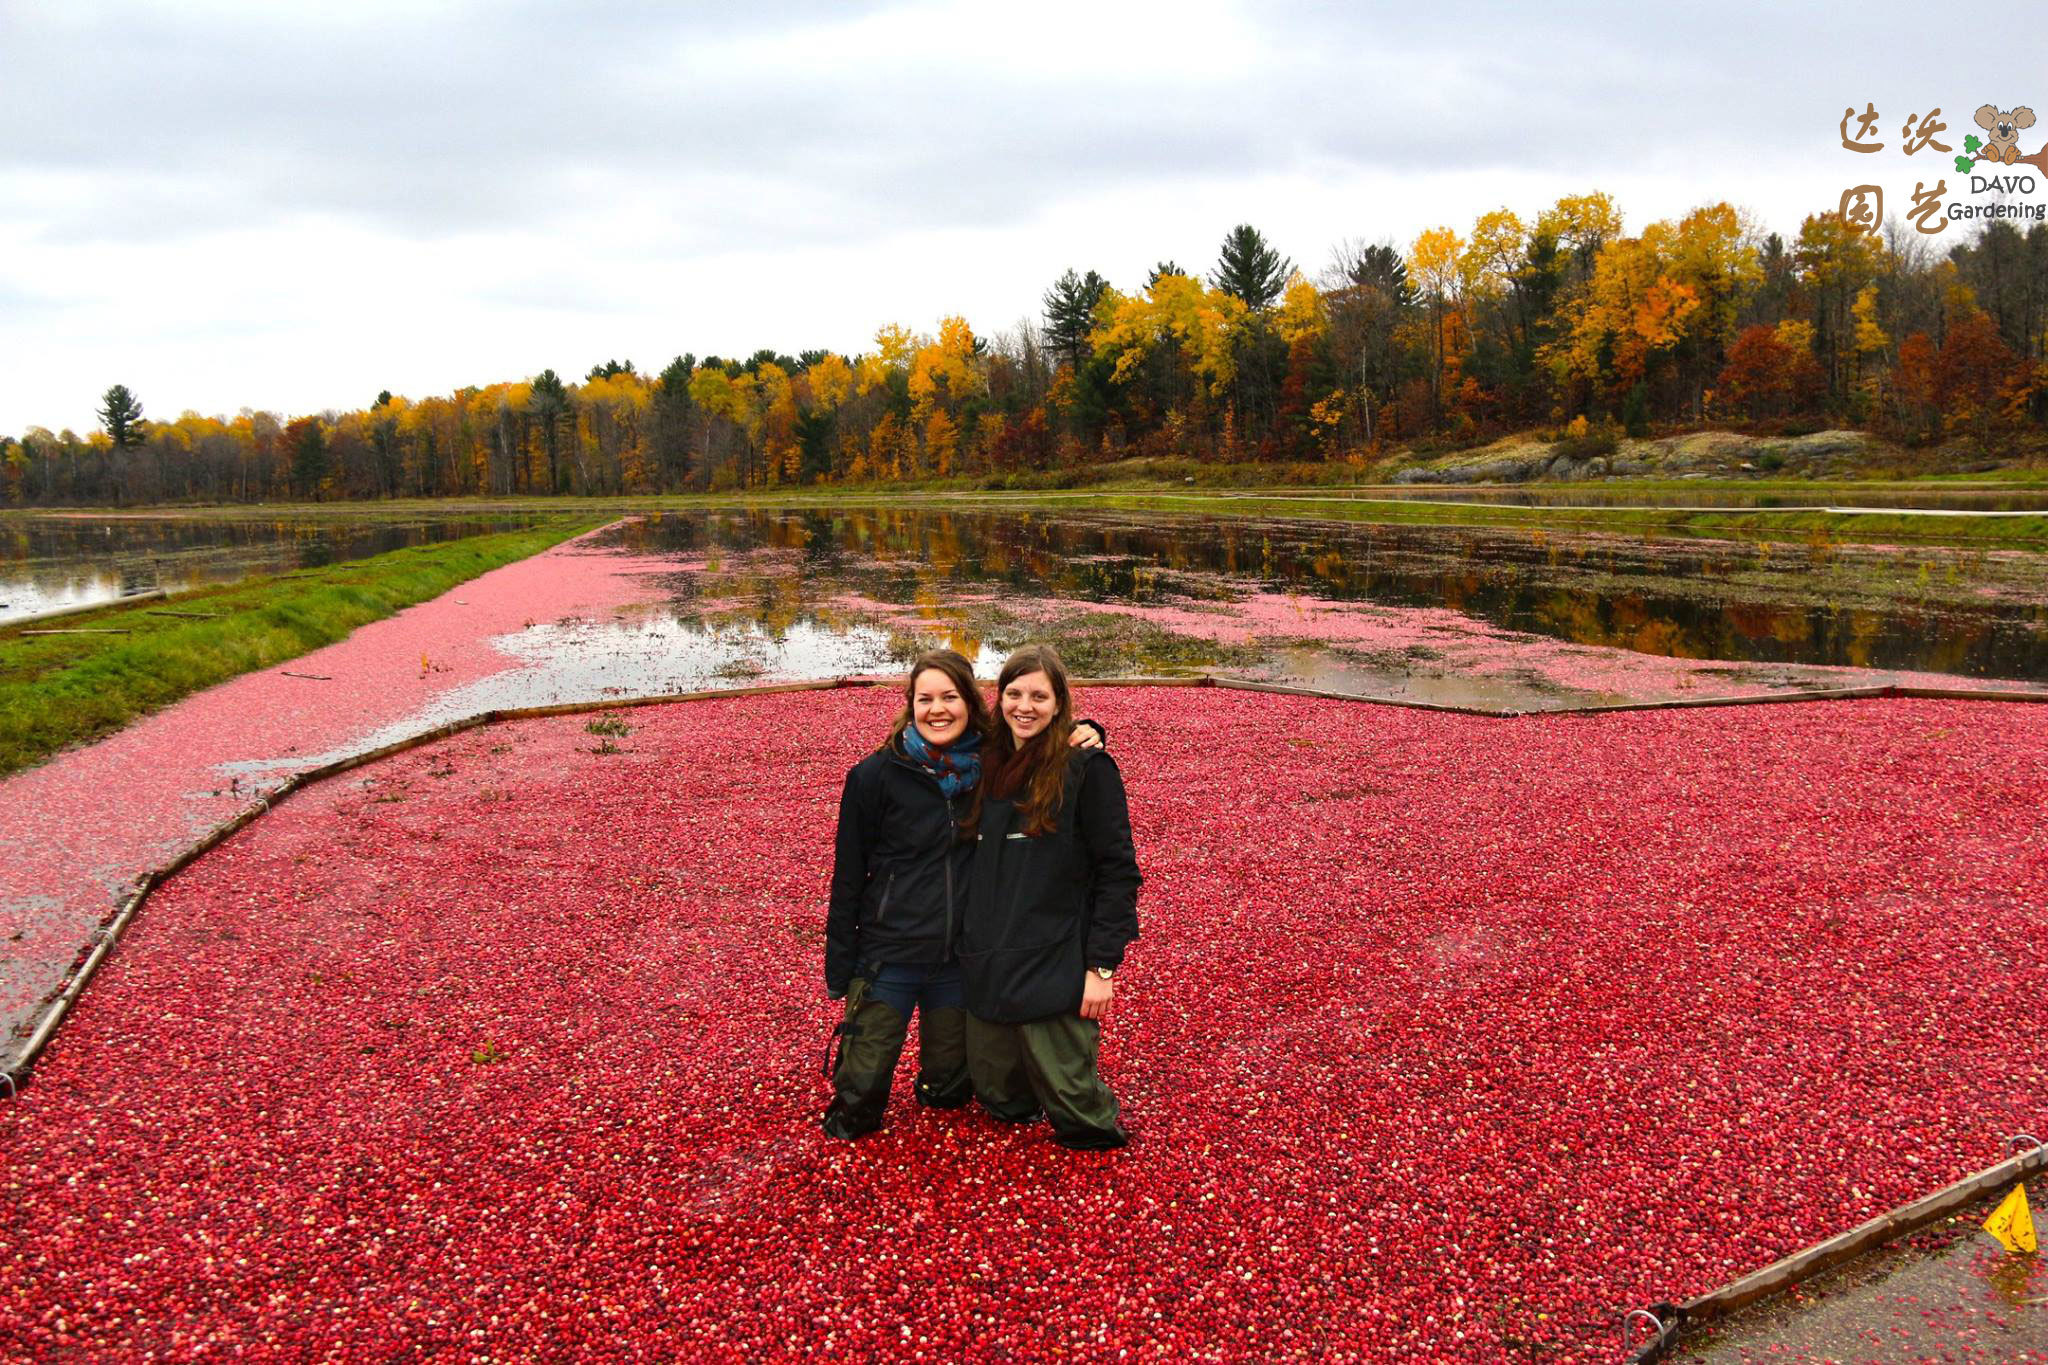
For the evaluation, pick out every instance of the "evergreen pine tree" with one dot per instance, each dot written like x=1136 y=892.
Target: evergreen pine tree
x=122 y=415
x=309 y=456
x=1070 y=314
x=550 y=408
x=1249 y=268
x=1380 y=267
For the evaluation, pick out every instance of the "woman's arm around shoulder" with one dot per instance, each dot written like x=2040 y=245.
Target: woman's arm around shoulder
x=1102 y=817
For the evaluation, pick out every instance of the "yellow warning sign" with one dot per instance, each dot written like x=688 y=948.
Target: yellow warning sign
x=2012 y=1222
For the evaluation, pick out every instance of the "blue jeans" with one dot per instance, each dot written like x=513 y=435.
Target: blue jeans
x=926 y=988
x=878 y=1009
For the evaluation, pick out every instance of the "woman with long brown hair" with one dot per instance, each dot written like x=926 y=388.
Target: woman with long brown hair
x=899 y=883
x=1052 y=906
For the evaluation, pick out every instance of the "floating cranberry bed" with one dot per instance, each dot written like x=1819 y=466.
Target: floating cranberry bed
x=1448 y=1037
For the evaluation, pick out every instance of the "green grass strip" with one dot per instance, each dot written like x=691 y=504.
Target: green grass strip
x=2024 y=532
x=1365 y=504
x=60 y=690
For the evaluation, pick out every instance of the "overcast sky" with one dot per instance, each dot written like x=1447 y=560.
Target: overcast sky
x=291 y=206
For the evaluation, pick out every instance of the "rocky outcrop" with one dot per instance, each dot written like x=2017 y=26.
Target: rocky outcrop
x=1704 y=454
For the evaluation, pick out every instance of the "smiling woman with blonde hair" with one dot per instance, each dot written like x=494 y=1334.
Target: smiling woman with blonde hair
x=1052 y=905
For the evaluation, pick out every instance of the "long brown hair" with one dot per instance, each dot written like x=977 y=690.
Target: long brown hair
x=1044 y=755
x=961 y=674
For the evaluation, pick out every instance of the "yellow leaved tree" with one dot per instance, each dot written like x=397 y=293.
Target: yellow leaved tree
x=1302 y=312
x=895 y=345
x=1872 y=345
x=946 y=369
x=830 y=382
x=1177 y=313
x=1436 y=265
x=1645 y=298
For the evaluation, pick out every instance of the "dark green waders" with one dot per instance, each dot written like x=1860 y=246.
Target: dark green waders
x=871 y=1039
x=1048 y=1064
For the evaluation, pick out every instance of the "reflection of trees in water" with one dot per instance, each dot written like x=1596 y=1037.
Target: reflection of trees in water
x=87 y=555
x=1675 y=598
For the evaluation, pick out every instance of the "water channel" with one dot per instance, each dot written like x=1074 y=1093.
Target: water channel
x=1197 y=591
x=48 y=563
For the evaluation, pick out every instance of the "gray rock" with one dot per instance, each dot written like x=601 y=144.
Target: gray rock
x=1822 y=445
x=1698 y=455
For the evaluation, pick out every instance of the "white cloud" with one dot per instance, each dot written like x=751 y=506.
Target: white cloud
x=249 y=204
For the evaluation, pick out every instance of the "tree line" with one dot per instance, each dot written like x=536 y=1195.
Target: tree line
x=1564 y=324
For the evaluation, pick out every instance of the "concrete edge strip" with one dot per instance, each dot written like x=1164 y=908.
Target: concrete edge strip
x=15 y=1076
x=1676 y=704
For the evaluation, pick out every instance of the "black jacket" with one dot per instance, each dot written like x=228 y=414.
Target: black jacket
x=1042 y=911
x=899 y=870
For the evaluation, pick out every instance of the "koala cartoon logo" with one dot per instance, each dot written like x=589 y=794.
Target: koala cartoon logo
x=2004 y=127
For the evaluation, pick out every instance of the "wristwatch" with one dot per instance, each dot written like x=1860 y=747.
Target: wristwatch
x=1104 y=972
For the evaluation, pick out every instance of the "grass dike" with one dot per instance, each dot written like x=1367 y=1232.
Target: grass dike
x=1809 y=527
x=1812 y=524
x=1658 y=489
x=60 y=690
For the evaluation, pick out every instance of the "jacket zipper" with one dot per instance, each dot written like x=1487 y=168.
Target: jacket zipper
x=947 y=941
x=883 y=908
x=947 y=857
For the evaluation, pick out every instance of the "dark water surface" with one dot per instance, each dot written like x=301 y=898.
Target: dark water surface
x=51 y=562
x=1968 y=613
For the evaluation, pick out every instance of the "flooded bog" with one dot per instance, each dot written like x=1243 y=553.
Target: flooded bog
x=1456 y=615
x=49 y=562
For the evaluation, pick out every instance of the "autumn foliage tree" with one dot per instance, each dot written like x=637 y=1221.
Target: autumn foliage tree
x=1972 y=369
x=1520 y=320
x=1758 y=376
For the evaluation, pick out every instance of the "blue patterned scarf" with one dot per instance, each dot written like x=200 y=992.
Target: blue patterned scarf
x=957 y=766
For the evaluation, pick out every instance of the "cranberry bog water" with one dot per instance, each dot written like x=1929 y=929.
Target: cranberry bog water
x=1450 y=1036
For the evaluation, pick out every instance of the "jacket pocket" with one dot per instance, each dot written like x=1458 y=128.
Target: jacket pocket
x=882 y=905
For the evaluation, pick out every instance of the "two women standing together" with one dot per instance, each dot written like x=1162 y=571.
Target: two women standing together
x=984 y=878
